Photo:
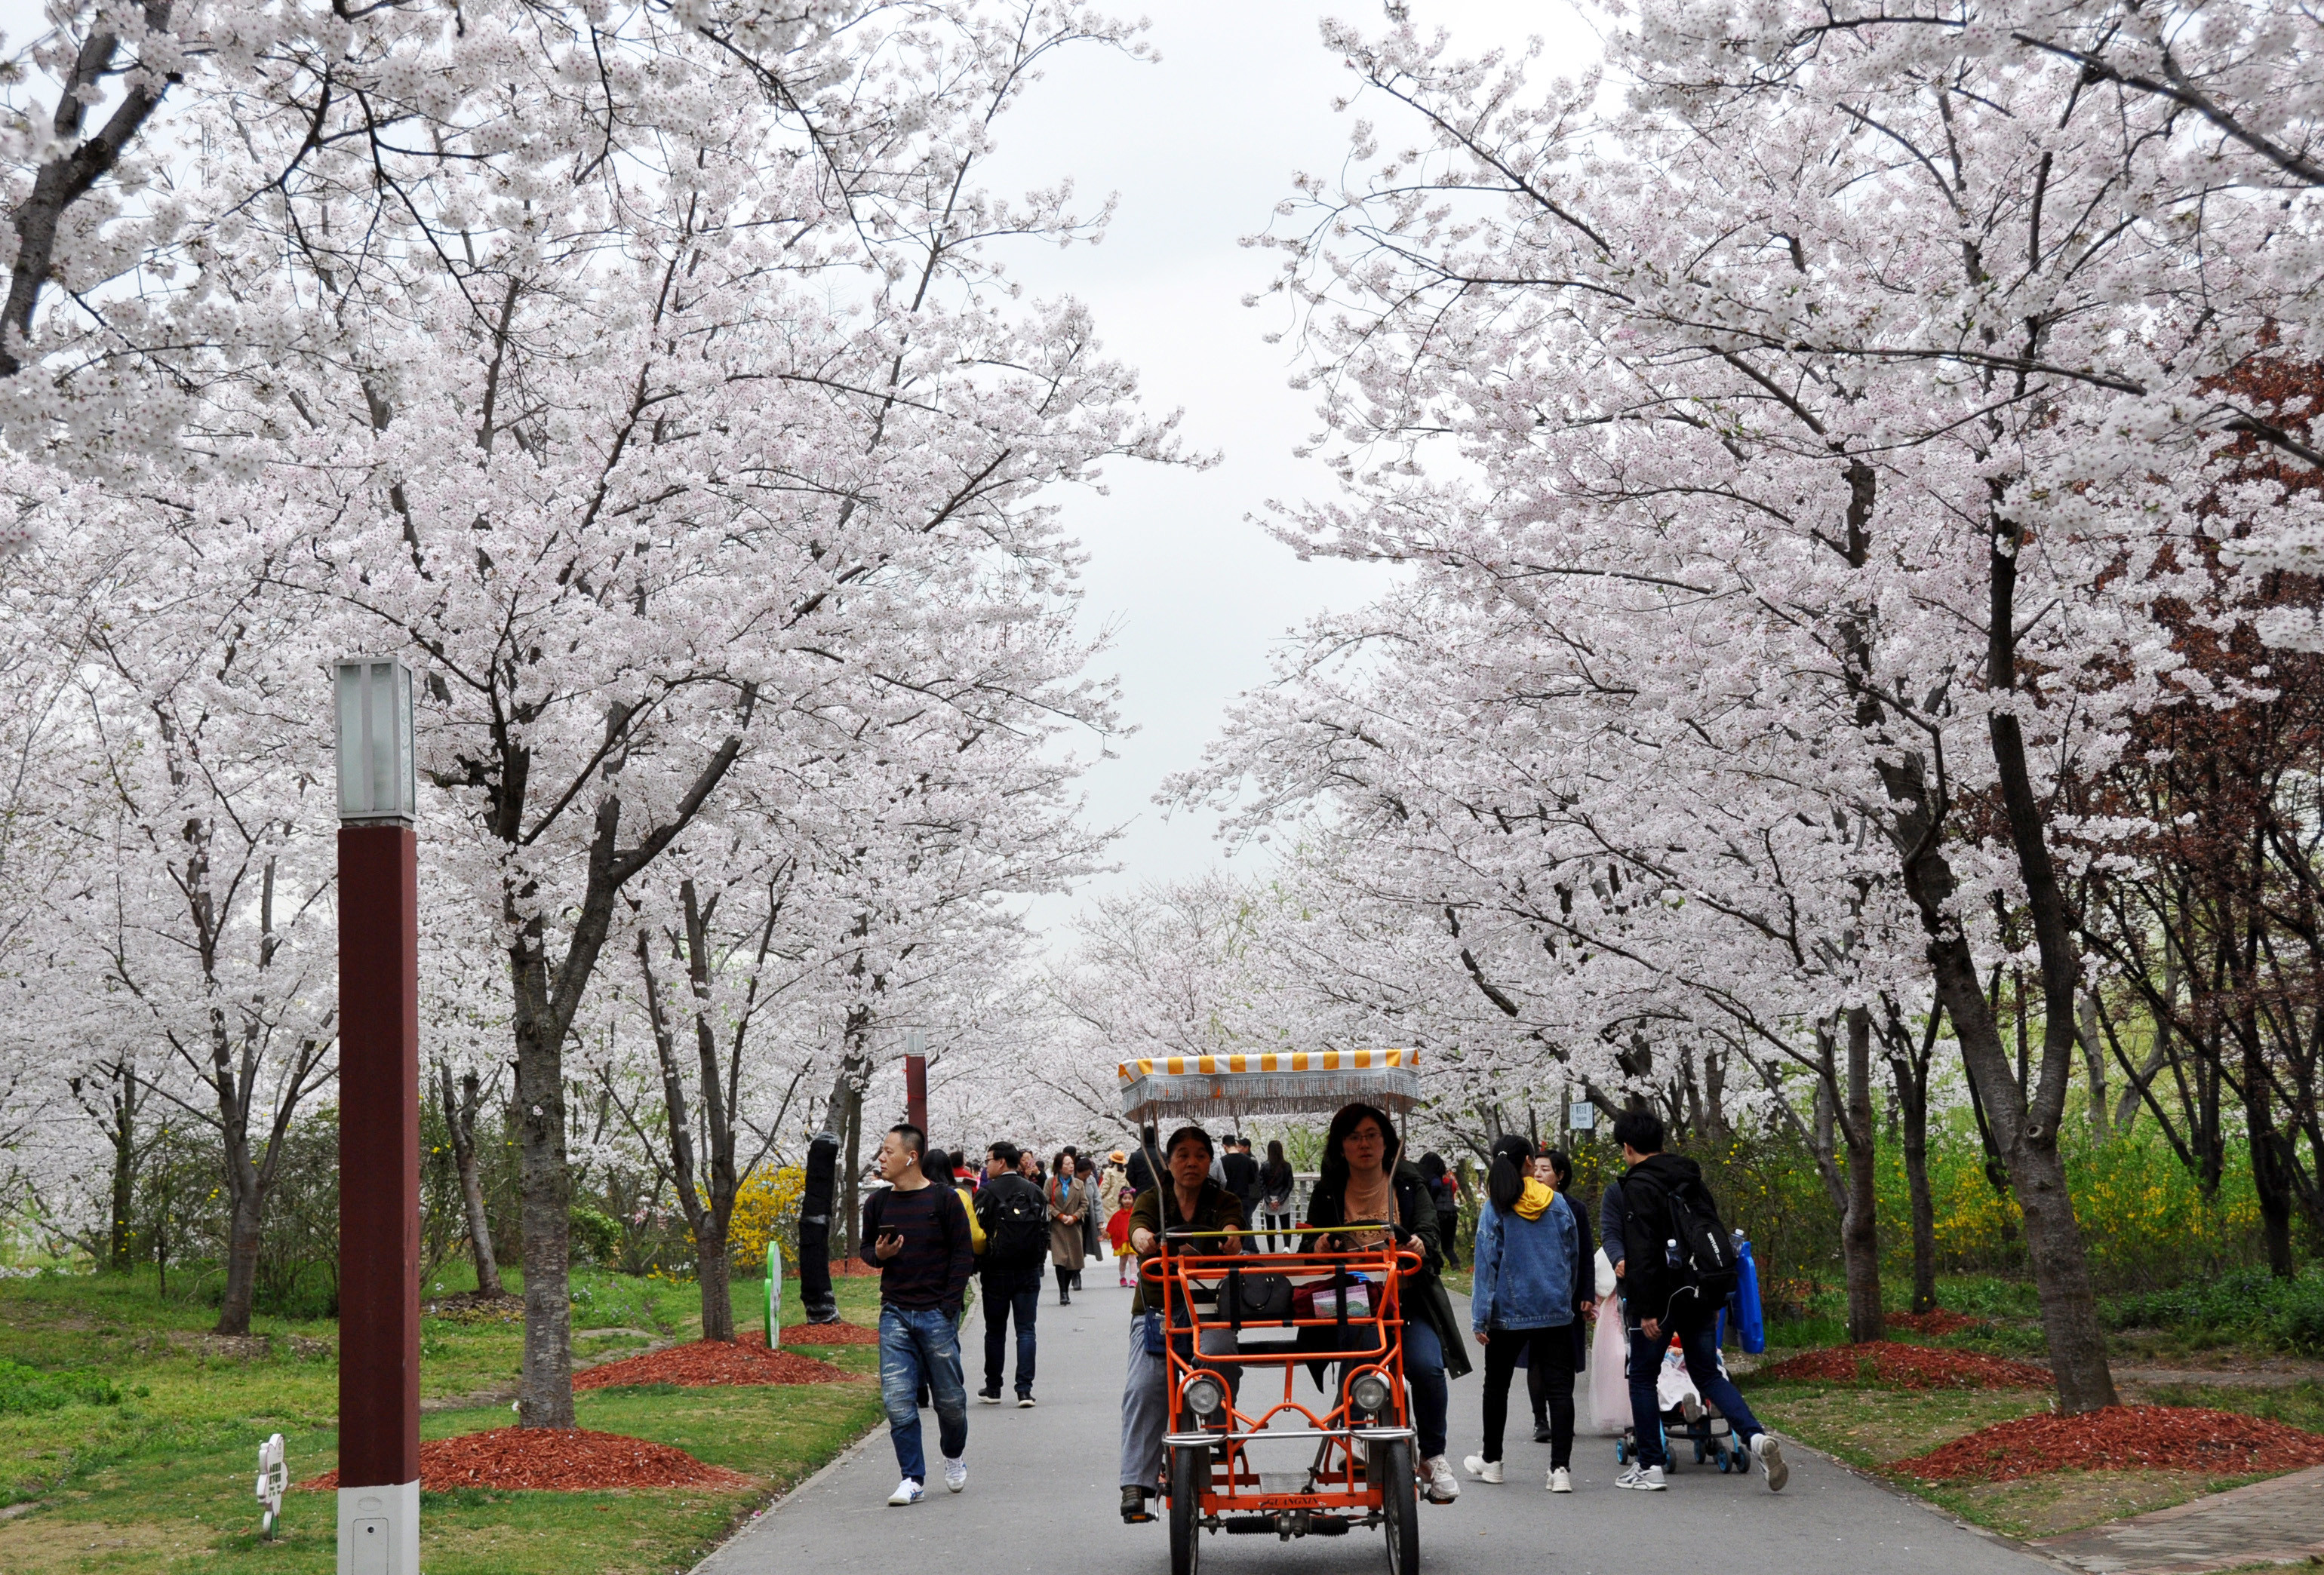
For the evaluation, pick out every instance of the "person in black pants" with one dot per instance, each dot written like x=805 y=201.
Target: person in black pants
x=1560 y=1178
x=1527 y=1267
x=1016 y=1221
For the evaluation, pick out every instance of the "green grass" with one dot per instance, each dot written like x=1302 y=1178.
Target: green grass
x=160 y=1478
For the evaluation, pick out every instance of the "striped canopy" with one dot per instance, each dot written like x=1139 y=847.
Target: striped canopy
x=1288 y=1084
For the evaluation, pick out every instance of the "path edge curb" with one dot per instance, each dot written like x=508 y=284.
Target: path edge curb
x=848 y=1451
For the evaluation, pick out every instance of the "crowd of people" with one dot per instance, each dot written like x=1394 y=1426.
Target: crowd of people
x=1540 y=1277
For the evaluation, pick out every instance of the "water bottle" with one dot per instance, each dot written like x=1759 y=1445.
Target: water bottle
x=1671 y=1253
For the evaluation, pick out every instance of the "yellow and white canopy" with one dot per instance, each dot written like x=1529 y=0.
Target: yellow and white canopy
x=1284 y=1083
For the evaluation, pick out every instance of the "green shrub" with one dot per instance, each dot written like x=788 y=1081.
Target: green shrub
x=2246 y=1303
x=24 y=1389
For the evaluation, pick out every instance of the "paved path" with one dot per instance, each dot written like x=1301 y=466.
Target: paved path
x=1042 y=1496
x=2276 y=1521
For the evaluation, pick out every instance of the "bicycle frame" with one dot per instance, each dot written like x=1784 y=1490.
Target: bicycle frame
x=1335 y=1486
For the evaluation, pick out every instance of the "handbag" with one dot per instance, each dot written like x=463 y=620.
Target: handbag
x=1318 y=1302
x=1156 y=1338
x=1610 y=1383
x=1254 y=1298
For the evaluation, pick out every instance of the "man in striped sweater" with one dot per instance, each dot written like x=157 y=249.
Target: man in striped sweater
x=916 y=1234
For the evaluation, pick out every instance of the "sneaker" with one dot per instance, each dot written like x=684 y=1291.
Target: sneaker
x=907 y=1491
x=1483 y=1470
x=1443 y=1487
x=1561 y=1480
x=1691 y=1408
x=1540 y=1433
x=1771 y=1456
x=956 y=1476
x=1025 y=1401
x=989 y=1396
x=1133 y=1506
x=1645 y=1478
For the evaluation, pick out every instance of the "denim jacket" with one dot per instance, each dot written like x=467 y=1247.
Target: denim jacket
x=1524 y=1268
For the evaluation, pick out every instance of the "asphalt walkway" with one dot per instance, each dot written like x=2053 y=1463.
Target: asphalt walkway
x=1042 y=1496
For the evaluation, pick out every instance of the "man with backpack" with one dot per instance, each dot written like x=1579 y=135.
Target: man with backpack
x=1676 y=1263
x=1016 y=1221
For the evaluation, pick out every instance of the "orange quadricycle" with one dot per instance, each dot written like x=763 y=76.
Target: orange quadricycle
x=1244 y=1452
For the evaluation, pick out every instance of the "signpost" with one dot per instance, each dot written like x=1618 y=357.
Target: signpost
x=379 y=1122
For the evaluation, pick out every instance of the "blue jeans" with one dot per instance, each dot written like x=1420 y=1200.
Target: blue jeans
x=1007 y=1292
x=1424 y=1370
x=1701 y=1350
x=919 y=1345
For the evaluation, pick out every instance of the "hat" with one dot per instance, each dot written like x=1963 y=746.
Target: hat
x=1118 y=1157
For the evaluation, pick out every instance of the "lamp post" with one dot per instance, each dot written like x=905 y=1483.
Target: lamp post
x=379 y=1122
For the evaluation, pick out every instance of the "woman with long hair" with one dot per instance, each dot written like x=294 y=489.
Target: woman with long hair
x=1560 y=1178
x=1529 y=1263
x=1276 y=1180
x=1364 y=1195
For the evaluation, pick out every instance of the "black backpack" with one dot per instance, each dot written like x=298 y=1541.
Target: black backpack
x=1706 y=1272
x=1016 y=1226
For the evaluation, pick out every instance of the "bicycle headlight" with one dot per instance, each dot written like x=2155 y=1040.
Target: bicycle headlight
x=1369 y=1391
x=1203 y=1395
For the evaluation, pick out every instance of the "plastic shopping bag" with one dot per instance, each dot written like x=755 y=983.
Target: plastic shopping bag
x=1610 y=1386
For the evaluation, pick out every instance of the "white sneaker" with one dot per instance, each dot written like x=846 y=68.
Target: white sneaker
x=1561 y=1480
x=1483 y=1470
x=956 y=1476
x=1691 y=1408
x=1443 y=1486
x=1645 y=1478
x=907 y=1492
x=1771 y=1456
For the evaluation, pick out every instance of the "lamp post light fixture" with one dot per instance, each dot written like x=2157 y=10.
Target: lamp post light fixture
x=379 y=1122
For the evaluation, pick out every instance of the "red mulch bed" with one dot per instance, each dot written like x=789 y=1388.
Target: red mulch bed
x=704 y=1364
x=1910 y=1366
x=1938 y=1321
x=2176 y=1437
x=559 y=1459
x=840 y=1334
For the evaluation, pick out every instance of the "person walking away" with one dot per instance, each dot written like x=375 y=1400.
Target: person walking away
x=1667 y=1212
x=1559 y=1177
x=1527 y=1260
x=1364 y=1180
x=1275 y=1181
x=1242 y=1176
x=1445 y=1195
x=1068 y=1205
x=1140 y=1166
x=1189 y=1199
x=1015 y=1217
x=916 y=1234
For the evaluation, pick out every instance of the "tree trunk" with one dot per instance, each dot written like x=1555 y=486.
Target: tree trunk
x=1860 y=1234
x=243 y=1222
x=717 y=1295
x=851 y=1183
x=2270 y=1177
x=545 y=1388
x=124 y=1181
x=1915 y=1102
x=461 y=1117
x=2094 y=1062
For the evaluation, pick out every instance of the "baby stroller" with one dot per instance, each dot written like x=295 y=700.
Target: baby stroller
x=1687 y=1417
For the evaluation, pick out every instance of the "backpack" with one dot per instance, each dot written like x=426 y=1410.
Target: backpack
x=1705 y=1273
x=1017 y=1232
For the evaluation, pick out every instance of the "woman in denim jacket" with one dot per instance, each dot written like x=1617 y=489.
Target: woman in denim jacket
x=1528 y=1254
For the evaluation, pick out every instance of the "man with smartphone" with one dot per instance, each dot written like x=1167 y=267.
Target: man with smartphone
x=916 y=1234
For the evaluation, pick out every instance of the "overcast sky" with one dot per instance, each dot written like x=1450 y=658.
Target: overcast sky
x=1200 y=148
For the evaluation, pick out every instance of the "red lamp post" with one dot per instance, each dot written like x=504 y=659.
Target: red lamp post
x=379 y=1122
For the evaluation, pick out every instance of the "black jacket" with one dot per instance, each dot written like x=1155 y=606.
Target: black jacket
x=1242 y=1181
x=1140 y=1169
x=1647 y=1228
x=988 y=1204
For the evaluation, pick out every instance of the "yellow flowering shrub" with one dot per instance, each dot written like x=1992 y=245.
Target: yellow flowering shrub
x=766 y=1208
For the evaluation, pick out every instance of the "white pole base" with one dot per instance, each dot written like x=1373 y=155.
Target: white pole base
x=379 y=1529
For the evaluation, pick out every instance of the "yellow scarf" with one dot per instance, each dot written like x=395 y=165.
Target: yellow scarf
x=1533 y=1202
